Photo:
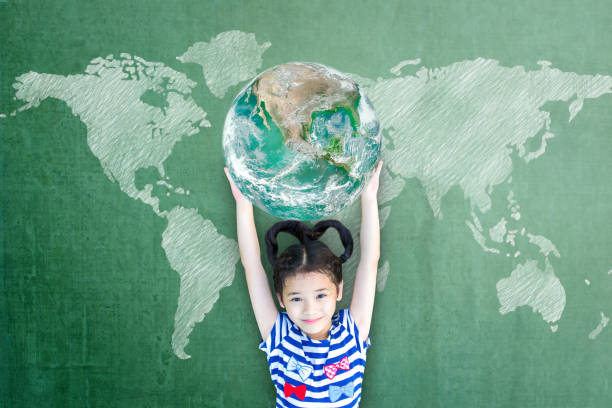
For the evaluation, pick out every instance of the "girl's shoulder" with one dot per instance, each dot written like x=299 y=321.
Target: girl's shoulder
x=348 y=323
x=283 y=327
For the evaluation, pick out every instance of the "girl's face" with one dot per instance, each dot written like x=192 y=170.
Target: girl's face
x=310 y=300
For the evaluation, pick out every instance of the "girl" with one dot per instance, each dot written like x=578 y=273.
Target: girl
x=316 y=357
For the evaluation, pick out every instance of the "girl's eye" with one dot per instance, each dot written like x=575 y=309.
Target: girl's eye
x=296 y=299
x=321 y=296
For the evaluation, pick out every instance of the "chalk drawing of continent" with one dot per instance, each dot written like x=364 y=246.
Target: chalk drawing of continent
x=459 y=125
x=228 y=59
x=123 y=131
x=135 y=112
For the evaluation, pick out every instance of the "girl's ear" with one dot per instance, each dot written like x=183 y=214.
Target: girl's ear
x=280 y=300
x=340 y=291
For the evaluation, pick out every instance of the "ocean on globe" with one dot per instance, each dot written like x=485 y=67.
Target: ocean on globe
x=301 y=140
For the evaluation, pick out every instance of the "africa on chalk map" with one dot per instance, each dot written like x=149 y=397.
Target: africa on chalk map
x=450 y=126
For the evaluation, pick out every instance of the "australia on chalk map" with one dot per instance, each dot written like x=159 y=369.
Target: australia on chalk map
x=458 y=125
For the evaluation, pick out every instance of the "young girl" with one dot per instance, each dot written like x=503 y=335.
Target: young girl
x=316 y=357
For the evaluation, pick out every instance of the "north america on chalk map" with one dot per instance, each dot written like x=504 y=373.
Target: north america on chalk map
x=458 y=125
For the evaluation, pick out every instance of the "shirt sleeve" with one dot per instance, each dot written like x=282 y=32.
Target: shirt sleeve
x=278 y=332
x=351 y=326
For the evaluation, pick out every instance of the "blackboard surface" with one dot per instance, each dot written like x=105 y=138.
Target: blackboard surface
x=121 y=282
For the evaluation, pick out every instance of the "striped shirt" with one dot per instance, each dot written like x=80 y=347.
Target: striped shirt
x=316 y=373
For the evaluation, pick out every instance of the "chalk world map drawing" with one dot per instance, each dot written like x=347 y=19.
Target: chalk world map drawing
x=452 y=126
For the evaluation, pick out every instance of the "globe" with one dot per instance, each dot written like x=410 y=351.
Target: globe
x=300 y=140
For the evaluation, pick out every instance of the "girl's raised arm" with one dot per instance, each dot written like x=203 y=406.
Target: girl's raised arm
x=362 y=303
x=261 y=298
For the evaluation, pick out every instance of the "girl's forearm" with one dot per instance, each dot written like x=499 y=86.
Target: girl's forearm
x=370 y=231
x=364 y=290
x=257 y=282
x=247 y=234
x=259 y=290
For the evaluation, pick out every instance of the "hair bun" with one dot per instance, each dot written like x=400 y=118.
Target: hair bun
x=295 y=228
x=345 y=235
x=303 y=233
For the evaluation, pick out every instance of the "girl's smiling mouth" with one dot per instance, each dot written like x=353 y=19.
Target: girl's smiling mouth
x=312 y=321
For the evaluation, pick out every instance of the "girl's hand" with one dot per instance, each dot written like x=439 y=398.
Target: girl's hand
x=370 y=191
x=235 y=192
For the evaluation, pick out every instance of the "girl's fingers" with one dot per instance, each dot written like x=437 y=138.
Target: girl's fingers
x=377 y=172
x=379 y=168
x=229 y=178
x=235 y=191
x=372 y=188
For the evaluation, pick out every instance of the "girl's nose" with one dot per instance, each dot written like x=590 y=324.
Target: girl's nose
x=309 y=306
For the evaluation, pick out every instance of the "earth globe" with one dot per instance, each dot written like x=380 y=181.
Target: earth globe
x=301 y=140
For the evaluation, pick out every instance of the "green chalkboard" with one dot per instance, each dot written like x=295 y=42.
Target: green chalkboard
x=121 y=284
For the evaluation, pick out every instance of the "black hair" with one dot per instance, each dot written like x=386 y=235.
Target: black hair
x=310 y=255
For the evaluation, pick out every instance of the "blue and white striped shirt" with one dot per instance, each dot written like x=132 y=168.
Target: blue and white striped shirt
x=316 y=373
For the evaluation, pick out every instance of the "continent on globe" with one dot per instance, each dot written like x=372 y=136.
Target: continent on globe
x=300 y=140
x=292 y=104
